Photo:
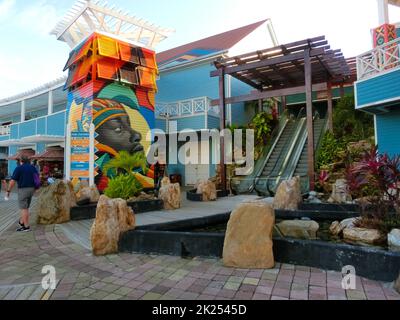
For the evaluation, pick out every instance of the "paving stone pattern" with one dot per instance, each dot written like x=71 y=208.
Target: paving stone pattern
x=81 y=276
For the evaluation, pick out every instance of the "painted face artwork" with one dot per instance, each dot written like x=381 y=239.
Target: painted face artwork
x=113 y=126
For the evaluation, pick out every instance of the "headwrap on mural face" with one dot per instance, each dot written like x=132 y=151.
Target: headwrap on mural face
x=113 y=126
x=104 y=110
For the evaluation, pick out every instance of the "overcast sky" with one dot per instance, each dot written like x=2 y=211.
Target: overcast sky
x=29 y=56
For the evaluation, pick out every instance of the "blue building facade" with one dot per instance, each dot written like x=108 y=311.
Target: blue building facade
x=377 y=90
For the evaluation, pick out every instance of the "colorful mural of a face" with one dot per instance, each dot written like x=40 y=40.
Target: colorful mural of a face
x=114 y=90
x=113 y=126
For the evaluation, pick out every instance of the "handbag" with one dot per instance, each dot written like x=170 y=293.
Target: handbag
x=36 y=180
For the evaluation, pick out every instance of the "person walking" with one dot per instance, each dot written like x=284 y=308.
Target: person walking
x=24 y=176
x=3 y=183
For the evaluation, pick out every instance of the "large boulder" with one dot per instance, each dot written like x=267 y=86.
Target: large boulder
x=170 y=194
x=248 y=239
x=208 y=189
x=90 y=194
x=288 y=196
x=394 y=240
x=55 y=202
x=340 y=192
x=337 y=227
x=113 y=218
x=363 y=236
x=299 y=229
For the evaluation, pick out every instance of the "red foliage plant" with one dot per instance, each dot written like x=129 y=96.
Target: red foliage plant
x=376 y=177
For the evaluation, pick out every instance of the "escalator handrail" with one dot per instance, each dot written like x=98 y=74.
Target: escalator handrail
x=282 y=153
x=282 y=126
x=300 y=130
x=298 y=153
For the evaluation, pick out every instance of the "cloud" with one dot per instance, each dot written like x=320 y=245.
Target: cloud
x=39 y=18
x=5 y=7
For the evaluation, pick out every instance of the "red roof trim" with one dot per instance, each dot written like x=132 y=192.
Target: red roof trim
x=219 y=42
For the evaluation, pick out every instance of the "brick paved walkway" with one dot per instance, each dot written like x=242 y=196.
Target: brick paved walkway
x=126 y=276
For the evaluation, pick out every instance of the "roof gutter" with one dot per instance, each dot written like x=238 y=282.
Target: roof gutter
x=196 y=61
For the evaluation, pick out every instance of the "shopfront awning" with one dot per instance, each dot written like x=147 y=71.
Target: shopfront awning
x=24 y=152
x=14 y=142
x=51 y=154
x=42 y=139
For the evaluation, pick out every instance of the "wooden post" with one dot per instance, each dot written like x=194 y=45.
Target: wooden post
x=222 y=127
x=330 y=107
x=260 y=105
x=283 y=101
x=310 y=125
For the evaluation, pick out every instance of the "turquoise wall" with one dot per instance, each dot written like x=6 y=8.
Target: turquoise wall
x=241 y=115
x=50 y=125
x=388 y=132
x=191 y=82
x=380 y=88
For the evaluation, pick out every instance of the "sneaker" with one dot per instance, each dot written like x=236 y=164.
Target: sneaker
x=24 y=229
x=21 y=224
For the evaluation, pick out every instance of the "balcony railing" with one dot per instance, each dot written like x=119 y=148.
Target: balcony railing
x=185 y=108
x=5 y=130
x=378 y=60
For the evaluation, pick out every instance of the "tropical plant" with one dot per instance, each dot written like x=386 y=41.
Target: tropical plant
x=376 y=177
x=123 y=186
x=350 y=124
x=125 y=162
x=323 y=180
x=330 y=150
x=262 y=126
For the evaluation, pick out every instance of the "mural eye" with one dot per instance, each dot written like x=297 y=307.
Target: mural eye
x=118 y=130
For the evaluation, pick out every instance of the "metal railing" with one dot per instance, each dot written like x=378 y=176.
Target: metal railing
x=189 y=107
x=380 y=59
x=5 y=130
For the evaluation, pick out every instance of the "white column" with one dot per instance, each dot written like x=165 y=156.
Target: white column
x=91 y=156
x=67 y=151
x=22 y=110
x=383 y=11
x=228 y=95
x=50 y=103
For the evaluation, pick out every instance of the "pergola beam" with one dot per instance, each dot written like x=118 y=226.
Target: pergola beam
x=256 y=95
x=268 y=62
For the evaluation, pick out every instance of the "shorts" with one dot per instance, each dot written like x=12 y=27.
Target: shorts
x=25 y=197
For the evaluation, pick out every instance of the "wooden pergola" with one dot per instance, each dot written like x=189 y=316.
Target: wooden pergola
x=299 y=67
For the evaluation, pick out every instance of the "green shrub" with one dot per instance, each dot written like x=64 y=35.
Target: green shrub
x=124 y=162
x=349 y=124
x=123 y=187
x=330 y=150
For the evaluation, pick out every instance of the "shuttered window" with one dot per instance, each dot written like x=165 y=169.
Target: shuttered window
x=107 y=47
x=128 y=75
x=107 y=70
x=147 y=78
x=147 y=58
x=78 y=54
x=78 y=73
x=128 y=53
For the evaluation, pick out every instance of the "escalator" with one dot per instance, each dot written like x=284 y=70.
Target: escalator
x=283 y=159
x=290 y=159
x=275 y=167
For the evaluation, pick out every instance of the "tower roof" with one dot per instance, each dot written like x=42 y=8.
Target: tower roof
x=88 y=16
